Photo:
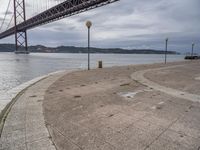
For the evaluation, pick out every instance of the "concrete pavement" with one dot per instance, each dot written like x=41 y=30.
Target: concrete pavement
x=107 y=110
x=104 y=109
x=139 y=76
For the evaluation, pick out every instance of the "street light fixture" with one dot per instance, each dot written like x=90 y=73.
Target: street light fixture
x=166 y=44
x=192 y=49
x=88 y=24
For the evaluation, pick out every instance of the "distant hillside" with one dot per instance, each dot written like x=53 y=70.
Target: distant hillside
x=72 y=49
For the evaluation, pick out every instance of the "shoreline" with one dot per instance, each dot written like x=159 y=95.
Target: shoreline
x=25 y=122
x=10 y=97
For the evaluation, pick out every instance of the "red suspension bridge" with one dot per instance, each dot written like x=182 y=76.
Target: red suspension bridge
x=39 y=13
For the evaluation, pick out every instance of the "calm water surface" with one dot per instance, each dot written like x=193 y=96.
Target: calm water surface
x=17 y=69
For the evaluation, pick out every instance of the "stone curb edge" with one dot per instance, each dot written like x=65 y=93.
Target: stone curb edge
x=12 y=95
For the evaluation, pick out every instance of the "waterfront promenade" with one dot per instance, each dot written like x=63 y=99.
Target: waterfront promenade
x=120 y=108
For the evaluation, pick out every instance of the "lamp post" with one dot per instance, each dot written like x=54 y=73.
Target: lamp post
x=192 y=49
x=88 y=24
x=166 y=44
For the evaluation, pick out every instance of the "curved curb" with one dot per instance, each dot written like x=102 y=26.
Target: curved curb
x=139 y=76
x=25 y=127
x=10 y=97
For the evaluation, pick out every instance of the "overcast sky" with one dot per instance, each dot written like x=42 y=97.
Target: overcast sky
x=127 y=24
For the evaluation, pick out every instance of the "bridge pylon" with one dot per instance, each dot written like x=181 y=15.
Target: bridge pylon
x=20 y=35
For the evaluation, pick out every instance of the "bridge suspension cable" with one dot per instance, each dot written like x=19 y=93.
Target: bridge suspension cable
x=9 y=24
x=6 y=13
x=38 y=7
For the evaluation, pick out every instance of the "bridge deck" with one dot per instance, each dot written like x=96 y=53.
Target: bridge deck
x=62 y=10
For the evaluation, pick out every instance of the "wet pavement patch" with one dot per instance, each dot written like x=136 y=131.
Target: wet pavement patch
x=77 y=96
x=159 y=107
x=33 y=96
x=111 y=115
x=50 y=92
x=125 y=84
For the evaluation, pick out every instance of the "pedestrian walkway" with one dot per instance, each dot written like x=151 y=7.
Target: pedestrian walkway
x=86 y=110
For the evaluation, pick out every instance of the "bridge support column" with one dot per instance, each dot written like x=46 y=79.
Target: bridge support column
x=20 y=36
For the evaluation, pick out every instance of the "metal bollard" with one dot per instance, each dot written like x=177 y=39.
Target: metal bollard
x=100 y=64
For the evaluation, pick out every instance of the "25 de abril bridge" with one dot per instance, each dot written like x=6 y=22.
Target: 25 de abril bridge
x=22 y=15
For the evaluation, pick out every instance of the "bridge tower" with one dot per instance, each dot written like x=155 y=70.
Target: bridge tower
x=20 y=35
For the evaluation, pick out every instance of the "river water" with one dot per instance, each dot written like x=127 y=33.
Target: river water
x=17 y=69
